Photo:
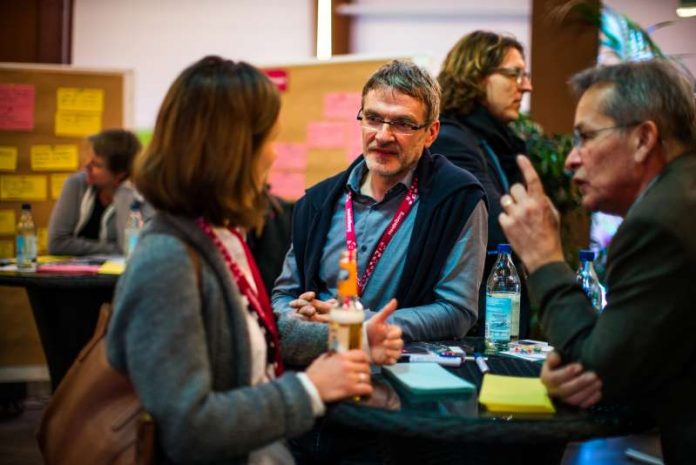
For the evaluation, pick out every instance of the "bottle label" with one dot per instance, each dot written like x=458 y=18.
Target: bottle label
x=498 y=318
x=26 y=250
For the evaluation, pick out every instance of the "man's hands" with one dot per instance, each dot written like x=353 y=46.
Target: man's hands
x=311 y=308
x=384 y=338
x=570 y=383
x=530 y=221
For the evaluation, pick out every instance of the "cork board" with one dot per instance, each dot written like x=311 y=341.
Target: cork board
x=319 y=133
x=45 y=113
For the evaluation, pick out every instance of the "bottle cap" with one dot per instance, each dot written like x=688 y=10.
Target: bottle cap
x=504 y=248
x=587 y=255
x=26 y=206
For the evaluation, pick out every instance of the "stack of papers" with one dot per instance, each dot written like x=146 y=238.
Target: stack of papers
x=514 y=394
x=528 y=349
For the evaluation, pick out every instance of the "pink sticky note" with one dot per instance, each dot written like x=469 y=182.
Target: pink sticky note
x=353 y=141
x=279 y=77
x=291 y=157
x=17 y=107
x=326 y=135
x=342 y=105
x=289 y=185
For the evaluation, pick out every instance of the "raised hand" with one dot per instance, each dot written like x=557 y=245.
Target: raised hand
x=530 y=221
x=383 y=338
x=570 y=383
x=340 y=375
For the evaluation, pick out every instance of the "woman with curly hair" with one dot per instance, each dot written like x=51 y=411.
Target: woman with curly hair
x=483 y=80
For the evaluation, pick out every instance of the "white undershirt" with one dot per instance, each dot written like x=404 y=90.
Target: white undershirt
x=261 y=370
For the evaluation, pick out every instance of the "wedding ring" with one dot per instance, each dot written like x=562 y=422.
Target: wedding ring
x=506 y=201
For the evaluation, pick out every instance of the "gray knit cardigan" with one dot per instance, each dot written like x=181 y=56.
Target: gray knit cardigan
x=186 y=351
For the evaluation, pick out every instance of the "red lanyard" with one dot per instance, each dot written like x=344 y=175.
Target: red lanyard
x=387 y=235
x=258 y=300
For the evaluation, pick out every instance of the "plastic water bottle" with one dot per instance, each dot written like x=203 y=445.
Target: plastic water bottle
x=503 y=301
x=133 y=227
x=26 y=240
x=588 y=280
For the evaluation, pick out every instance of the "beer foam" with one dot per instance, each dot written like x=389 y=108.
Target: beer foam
x=346 y=317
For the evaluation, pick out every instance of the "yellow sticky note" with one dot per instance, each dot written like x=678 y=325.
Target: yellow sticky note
x=514 y=394
x=113 y=267
x=42 y=239
x=8 y=221
x=6 y=249
x=80 y=99
x=77 y=123
x=20 y=187
x=57 y=181
x=57 y=157
x=8 y=158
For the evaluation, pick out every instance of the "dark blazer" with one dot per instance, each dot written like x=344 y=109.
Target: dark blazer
x=462 y=147
x=642 y=345
x=461 y=140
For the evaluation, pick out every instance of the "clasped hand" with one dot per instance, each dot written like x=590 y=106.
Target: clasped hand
x=384 y=339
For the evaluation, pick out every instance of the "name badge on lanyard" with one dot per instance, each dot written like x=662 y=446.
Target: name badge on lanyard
x=387 y=235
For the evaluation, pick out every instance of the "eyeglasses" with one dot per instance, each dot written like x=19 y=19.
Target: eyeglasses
x=581 y=137
x=373 y=122
x=518 y=73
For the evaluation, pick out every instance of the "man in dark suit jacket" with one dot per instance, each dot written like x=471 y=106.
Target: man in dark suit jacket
x=634 y=156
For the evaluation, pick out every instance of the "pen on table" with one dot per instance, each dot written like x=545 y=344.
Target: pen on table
x=481 y=362
x=642 y=457
x=432 y=358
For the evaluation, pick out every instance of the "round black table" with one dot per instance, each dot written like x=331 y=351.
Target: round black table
x=456 y=429
x=66 y=309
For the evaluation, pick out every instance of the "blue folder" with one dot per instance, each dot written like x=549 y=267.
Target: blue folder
x=427 y=378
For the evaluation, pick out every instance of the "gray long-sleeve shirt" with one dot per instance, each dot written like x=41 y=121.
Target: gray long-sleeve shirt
x=69 y=215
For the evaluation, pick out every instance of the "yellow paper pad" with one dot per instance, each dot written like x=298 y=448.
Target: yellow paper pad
x=8 y=158
x=41 y=259
x=112 y=267
x=57 y=181
x=77 y=123
x=57 y=157
x=6 y=249
x=80 y=99
x=19 y=187
x=42 y=240
x=514 y=394
x=8 y=221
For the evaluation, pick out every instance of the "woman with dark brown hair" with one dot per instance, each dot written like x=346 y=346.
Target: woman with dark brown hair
x=201 y=345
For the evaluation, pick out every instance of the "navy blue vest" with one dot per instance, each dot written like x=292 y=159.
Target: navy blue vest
x=447 y=195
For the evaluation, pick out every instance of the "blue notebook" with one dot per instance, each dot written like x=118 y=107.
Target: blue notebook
x=427 y=378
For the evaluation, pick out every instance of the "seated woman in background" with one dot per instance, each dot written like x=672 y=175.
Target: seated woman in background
x=200 y=343
x=91 y=213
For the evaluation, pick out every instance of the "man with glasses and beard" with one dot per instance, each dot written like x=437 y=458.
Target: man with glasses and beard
x=417 y=223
